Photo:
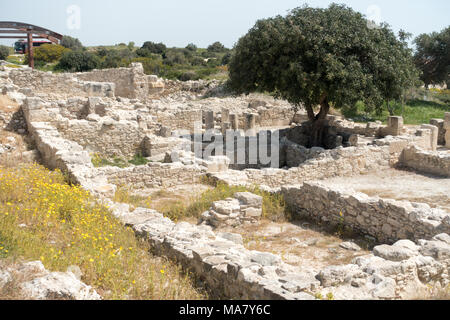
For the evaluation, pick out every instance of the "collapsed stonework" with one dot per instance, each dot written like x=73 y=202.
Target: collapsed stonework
x=245 y=207
x=124 y=117
x=38 y=283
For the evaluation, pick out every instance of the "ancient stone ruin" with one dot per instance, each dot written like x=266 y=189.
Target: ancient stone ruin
x=192 y=130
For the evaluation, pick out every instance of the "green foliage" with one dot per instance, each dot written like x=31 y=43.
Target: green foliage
x=216 y=47
x=415 y=110
x=138 y=160
x=152 y=47
x=173 y=57
x=189 y=75
x=226 y=59
x=4 y=52
x=49 y=52
x=432 y=57
x=78 y=61
x=151 y=65
x=327 y=57
x=71 y=43
x=274 y=206
x=191 y=47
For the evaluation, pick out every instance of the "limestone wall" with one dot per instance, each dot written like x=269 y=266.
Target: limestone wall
x=386 y=220
x=179 y=120
x=230 y=271
x=330 y=163
x=153 y=175
x=64 y=84
x=437 y=163
x=106 y=136
x=129 y=82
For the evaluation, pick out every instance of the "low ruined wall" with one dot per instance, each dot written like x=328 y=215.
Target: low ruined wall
x=330 y=163
x=386 y=220
x=106 y=136
x=180 y=120
x=230 y=271
x=426 y=161
x=64 y=84
x=153 y=175
x=129 y=82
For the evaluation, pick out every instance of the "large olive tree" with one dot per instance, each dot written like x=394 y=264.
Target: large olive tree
x=322 y=57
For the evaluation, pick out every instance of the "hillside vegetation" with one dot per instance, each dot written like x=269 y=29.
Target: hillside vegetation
x=43 y=218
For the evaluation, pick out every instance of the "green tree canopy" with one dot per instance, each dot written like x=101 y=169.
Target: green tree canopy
x=216 y=47
x=78 y=61
x=327 y=57
x=432 y=57
x=4 y=52
x=49 y=52
x=71 y=43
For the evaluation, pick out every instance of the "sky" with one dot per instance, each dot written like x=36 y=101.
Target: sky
x=202 y=22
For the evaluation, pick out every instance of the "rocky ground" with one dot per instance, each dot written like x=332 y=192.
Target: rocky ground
x=400 y=185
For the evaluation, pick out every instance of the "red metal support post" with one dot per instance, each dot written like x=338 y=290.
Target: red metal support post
x=30 y=50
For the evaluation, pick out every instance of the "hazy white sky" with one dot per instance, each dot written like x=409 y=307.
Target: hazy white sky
x=177 y=22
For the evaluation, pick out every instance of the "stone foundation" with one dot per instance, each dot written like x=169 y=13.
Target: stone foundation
x=384 y=219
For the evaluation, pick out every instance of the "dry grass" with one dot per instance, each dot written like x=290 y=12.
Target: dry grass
x=309 y=245
x=192 y=201
x=8 y=105
x=43 y=218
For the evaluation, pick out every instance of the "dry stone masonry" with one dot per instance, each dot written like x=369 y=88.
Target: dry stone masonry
x=121 y=113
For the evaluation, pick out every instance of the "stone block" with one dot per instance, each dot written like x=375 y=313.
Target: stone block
x=249 y=199
x=434 y=135
x=439 y=123
x=209 y=119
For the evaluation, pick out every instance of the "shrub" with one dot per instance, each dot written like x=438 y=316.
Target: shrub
x=49 y=52
x=71 y=43
x=4 y=52
x=191 y=47
x=189 y=75
x=216 y=47
x=174 y=57
x=158 y=48
x=197 y=61
x=226 y=58
x=78 y=61
x=151 y=65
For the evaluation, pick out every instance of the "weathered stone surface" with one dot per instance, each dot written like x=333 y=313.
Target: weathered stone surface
x=57 y=285
x=394 y=253
x=249 y=199
x=350 y=246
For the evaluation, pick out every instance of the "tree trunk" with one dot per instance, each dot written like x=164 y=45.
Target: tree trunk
x=318 y=127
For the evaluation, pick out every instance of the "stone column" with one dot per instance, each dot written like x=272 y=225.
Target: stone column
x=225 y=127
x=234 y=121
x=209 y=120
x=395 y=125
x=250 y=123
x=441 y=134
x=447 y=129
x=225 y=115
x=434 y=135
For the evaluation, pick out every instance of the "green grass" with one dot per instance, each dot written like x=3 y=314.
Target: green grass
x=415 y=111
x=274 y=206
x=15 y=60
x=137 y=160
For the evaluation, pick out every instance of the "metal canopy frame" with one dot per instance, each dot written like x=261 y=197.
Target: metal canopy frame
x=20 y=30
